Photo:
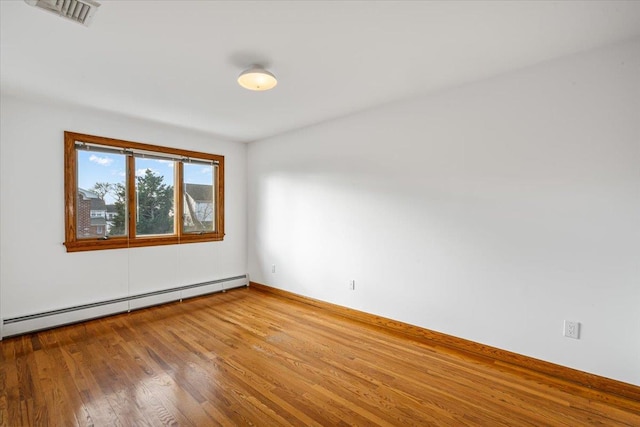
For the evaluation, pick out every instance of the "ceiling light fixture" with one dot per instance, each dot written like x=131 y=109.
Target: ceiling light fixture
x=257 y=78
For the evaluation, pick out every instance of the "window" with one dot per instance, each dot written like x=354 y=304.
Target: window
x=121 y=194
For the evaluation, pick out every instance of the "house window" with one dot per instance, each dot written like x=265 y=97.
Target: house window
x=121 y=194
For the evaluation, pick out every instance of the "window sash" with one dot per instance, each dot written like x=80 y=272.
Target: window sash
x=75 y=142
x=190 y=206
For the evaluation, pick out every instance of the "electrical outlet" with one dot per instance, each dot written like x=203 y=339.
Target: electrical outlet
x=572 y=329
x=273 y=268
x=352 y=285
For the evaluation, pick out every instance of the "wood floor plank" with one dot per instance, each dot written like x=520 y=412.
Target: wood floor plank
x=370 y=373
x=246 y=357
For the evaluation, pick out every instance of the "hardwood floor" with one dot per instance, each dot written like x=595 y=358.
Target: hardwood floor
x=249 y=358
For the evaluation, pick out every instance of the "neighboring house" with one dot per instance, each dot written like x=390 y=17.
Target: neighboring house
x=92 y=214
x=111 y=212
x=198 y=213
x=111 y=215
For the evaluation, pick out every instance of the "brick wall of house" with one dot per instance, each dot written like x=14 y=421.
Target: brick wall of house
x=84 y=227
x=83 y=216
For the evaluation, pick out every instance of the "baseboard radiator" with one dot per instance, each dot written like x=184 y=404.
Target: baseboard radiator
x=49 y=319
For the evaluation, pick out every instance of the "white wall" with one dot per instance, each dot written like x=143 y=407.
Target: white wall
x=37 y=274
x=490 y=212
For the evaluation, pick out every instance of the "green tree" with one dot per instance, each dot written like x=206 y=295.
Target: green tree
x=154 y=205
x=102 y=189
x=119 y=193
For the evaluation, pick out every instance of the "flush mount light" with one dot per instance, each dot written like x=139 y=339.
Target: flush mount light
x=257 y=78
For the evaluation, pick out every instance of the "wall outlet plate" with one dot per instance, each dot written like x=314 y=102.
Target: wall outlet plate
x=572 y=329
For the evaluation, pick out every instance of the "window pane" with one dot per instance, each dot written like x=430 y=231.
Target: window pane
x=198 y=206
x=101 y=199
x=154 y=197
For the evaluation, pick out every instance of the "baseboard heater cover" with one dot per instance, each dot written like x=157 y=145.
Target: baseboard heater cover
x=48 y=319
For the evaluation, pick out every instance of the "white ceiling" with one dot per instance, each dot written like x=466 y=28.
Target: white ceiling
x=177 y=61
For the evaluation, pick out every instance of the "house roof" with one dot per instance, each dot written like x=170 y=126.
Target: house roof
x=98 y=205
x=98 y=221
x=199 y=192
x=86 y=194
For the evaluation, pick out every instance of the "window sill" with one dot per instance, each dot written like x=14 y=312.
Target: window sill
x=123 y=243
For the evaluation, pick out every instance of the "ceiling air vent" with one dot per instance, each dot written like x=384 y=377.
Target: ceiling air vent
x=80 y=11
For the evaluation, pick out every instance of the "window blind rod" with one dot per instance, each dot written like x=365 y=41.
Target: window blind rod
x=141 y=154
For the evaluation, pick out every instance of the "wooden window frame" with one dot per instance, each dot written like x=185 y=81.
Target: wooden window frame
x=74 y=244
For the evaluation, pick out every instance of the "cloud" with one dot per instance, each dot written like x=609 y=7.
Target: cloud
x=143 y=171
x=206 y=170
x=103 y=161
x=169 y=163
